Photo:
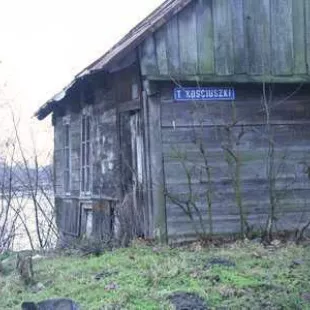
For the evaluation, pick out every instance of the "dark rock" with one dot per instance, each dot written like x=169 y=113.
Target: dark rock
x=29 y=306
x=187 y=301
x=306 y=297
x=105 y=274
x=296 y=262
x=38 y=287
x=220 y=262
x=111 y=287
x=257 y=240
x=51 y=304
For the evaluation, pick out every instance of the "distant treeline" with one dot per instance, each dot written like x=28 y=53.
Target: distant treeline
x=18 y=178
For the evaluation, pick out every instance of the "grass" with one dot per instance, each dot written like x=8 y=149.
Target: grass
x=142 y=277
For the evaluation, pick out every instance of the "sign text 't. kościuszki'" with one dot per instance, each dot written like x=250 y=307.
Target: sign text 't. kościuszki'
x=204 y=93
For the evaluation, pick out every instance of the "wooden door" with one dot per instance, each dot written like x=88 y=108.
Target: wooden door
x=132 y=165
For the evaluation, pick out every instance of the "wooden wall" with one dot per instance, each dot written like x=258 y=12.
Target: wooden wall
x=103 y=97
x=104 y=158
x=232 y=40
x=240 y=127
x=103 y=147
x=105 y=177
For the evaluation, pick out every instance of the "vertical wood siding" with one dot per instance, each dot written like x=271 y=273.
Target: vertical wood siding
x=228 y=38
x=104 y=141
x=104 y=172
x=186 y=124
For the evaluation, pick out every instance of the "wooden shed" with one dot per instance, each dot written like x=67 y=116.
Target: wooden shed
x=196 y=122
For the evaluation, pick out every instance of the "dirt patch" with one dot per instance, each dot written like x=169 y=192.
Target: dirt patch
x=105 y=274
x=219 y=262
x=187 y=301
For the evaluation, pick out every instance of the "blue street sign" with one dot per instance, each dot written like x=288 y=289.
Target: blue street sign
x=204 y=93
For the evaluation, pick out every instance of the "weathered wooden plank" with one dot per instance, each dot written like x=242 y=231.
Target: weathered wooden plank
x=238 y=35
x=175 y=172
x=148 y=211
x=183 y=230
x=132 y=105
x=223 y=42
x=161 y=50
x=148 y=61
x=70 y=213
x=282 y=37
x=242 y=112
x=58 y=176
x=188 y=40
x=105 y=169
x=205 y=37
x=156 y=163
x=216 y=156
x=295 y=136
x=237 y=78
x=173 y=48
x=279 y=93
x=307 y=32
x=258 y=205
x=299 y=37
x=257 y=21
x=224 y=187
x=58 y=144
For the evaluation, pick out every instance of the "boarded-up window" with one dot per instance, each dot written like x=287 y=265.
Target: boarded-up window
x=85 y=156
x=70 y=219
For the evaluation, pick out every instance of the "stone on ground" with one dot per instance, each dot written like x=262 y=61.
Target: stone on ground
x=187 y=301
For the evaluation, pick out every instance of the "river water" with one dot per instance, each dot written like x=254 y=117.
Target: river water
x=25 y=224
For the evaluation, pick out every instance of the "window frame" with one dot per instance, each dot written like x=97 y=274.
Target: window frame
x=86 y=154
x=67 y=166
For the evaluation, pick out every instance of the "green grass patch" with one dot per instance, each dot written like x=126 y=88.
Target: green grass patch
x=141 y=278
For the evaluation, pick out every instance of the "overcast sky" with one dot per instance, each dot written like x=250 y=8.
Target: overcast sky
x=44 y=43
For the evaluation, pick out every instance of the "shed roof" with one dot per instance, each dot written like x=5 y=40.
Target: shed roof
x=127 y=44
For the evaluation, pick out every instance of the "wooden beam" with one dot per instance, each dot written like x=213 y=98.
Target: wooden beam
x=299 y=37
x=132 y=105
x=223 y=37
x=149 y=223
x=155 y=154
x=282 y=47
x=233 y=78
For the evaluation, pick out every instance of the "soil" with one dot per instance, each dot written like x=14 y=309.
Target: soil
x=187 y=301
x=220 y=262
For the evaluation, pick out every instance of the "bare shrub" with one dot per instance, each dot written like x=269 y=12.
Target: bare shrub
x=127 y=221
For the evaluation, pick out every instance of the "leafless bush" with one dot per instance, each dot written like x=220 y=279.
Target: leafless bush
x=36 y=183
x=127 y=221
x=188 y=203
x=24 y=184
x=274 y=160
